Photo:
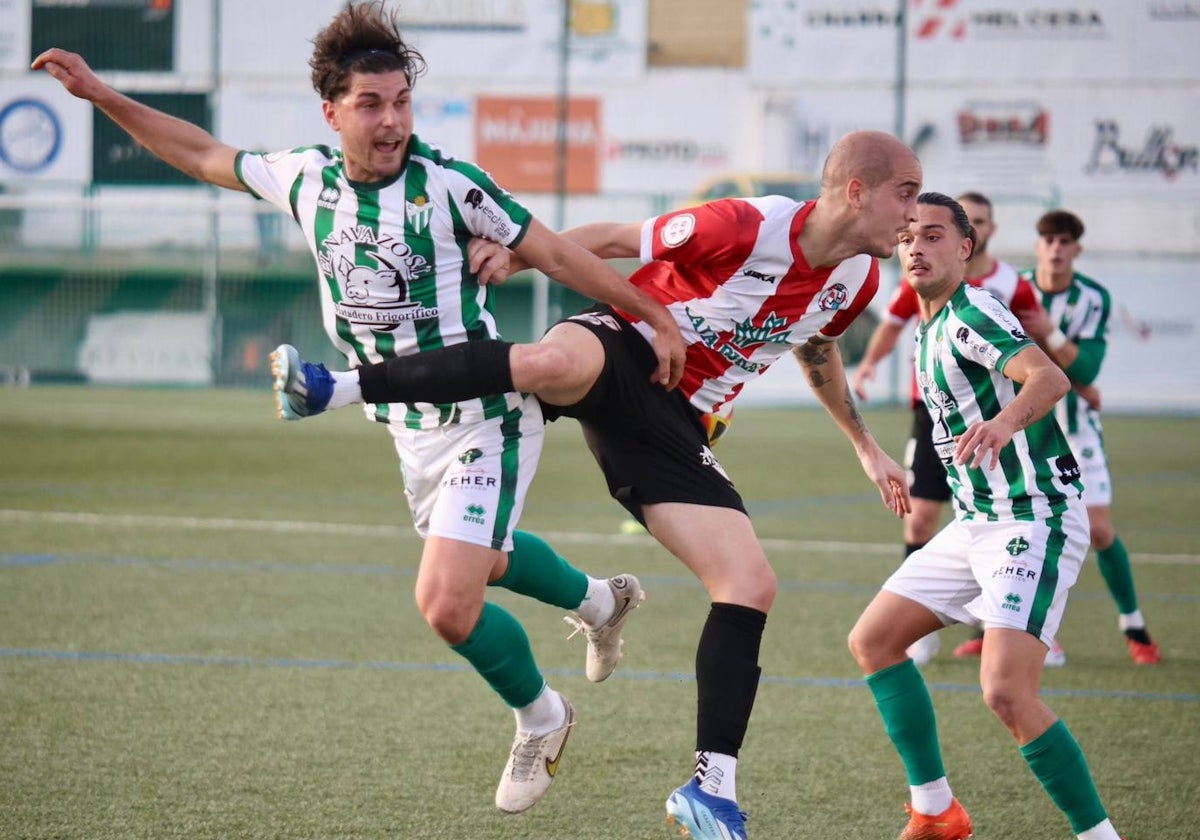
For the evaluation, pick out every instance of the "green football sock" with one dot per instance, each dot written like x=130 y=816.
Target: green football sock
x=499 y=650
x=907 y=711
x=1056 y=760
x=536 y=570
x=1114 y=565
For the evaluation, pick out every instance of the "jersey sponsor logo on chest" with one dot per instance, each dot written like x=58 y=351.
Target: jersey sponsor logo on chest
x=373 y=273
x=737 y=346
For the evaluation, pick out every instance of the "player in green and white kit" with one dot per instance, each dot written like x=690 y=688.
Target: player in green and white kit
x=1073 y=330
x=1013 y=551
x=388 y=218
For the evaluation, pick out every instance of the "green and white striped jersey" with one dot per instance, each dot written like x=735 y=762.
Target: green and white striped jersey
x=1081 y=311
x=392 y=257
x=960 y=361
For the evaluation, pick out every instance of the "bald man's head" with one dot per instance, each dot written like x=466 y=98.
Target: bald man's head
x=870 y=156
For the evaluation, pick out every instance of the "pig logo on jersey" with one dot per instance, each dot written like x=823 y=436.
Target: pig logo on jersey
x=678 y=230
x=373 y=273
x=835 y=297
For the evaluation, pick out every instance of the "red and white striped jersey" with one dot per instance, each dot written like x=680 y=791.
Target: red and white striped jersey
x=733 y=275
x=1003 y=282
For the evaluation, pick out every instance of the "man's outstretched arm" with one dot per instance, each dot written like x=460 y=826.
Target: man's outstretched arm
x=187 y=147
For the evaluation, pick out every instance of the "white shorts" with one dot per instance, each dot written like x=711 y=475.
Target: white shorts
x=468 y=482
x=999 y=574
x=1087 y=444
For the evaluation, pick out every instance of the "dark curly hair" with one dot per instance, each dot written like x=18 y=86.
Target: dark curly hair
x=363 y=38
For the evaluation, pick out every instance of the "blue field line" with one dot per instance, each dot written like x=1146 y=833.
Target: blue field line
x=444 y=667
x=384 y=570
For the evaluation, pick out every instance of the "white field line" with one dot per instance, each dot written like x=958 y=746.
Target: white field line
x=278 y=526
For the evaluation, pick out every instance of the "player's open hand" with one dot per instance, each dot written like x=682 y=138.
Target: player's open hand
x=889 y=477
x=980 y=441
x=489 y=261
x=71 y=71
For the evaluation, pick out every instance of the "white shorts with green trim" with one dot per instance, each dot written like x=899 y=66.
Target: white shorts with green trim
x=468 y=481
x=1006 y=574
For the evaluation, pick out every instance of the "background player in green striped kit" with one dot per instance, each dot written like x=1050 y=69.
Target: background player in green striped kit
x=388 y=218
x=1072 y=327
x=1012 y=552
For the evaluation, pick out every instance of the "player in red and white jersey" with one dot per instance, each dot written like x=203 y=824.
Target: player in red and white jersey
x=743 y=300
x=927 y=477
x=746 y=281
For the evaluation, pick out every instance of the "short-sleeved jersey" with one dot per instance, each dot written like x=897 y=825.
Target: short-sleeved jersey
x=392 y=257
x=743 y=294
x=1003 y=281
x=1081 y=311
x=961 y=354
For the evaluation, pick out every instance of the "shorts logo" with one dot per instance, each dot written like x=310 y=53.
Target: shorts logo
x=1017 y=545
x=474 y=515
x=470 y=456
x=678 y=230
x=1012 y=601
x=597 y=319
x=708 y=459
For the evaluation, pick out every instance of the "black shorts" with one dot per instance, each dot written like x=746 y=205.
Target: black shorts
x=928 y=472
x=648 y=441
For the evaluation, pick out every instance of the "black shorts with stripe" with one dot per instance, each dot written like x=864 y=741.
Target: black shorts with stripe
x=648 y=441
x=928 y=472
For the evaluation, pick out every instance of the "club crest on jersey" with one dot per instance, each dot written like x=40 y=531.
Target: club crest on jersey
x=373 y=274
x=678 y=230
x=418 y=212
x=834 y=298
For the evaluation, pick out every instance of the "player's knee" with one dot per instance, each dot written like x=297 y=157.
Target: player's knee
x=871 y=648
x=542 y=367
x=756 y=587
x=1103 y=536
x=1005 y=700
x=452 y=623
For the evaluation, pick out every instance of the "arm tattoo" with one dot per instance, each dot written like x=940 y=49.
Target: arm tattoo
x=812 y=354
x=855 y=417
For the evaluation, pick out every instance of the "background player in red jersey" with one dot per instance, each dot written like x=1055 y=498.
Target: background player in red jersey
x=747 y=280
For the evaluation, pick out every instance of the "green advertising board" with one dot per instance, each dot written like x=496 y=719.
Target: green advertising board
x=117 y=159
x=111 y=34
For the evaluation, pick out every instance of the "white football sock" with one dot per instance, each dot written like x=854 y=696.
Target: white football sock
x=716 y=773
x=931 y=798
x=1131 y=621
x=346 y=389
x=1101 y=831
x=545 y=714
x=598 y=604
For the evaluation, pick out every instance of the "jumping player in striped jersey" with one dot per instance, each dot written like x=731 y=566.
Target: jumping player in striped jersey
x=1012 y=552
x=747 y=280
x=1072 y=327
x=388 y=218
